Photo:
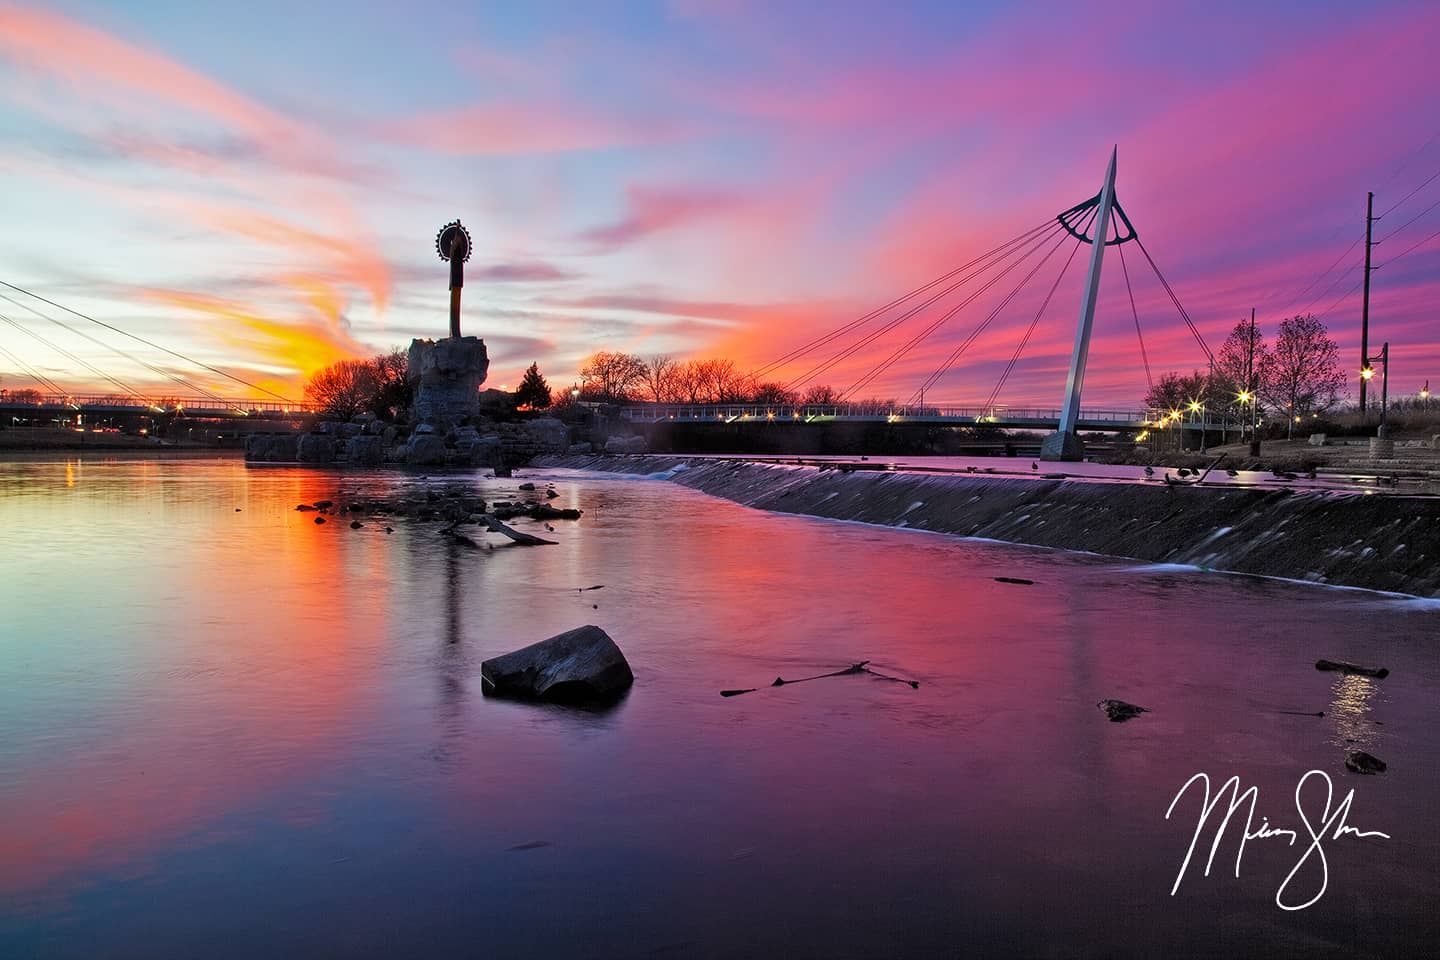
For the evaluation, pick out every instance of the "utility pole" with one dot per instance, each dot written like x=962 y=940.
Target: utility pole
x=1365 y=302
x=1252 y=382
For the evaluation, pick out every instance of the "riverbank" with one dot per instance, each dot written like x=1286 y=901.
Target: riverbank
x=1373 y=541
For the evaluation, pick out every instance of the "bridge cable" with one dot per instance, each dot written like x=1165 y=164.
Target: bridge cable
x=35 y=374
x=969 y=341
x=1145 y=357
x=1184 y=314
x=1034 y=244
x=1025 y=340
x=874 y=372
x=149 y=343
x=129 y=391
x=861 y=321
x=188 y=384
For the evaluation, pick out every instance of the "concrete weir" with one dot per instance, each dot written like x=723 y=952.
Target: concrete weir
x=1376 y=542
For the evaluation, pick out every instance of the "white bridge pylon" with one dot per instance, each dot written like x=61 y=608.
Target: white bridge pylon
x=1064 y=443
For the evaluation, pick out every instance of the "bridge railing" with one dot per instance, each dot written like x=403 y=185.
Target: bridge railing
x=118 y=403
x=730 y=412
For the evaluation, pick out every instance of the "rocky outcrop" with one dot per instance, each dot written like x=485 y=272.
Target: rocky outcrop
x=315 y=448
x=425 y=450
x=365 y=451
x=447 y=374
x=634 y=444
x=271 y=447
x=579 y=665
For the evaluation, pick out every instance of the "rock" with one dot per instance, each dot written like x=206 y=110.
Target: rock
x=425 y=428
x=425 y=449
x=305 y=508
x=314 y=448
x=447 y=374
x=626 y=445
x=1341 y=666
x=1317 y=440
x=324 y=504
x=319 y=519
x=356 y=524
x=271 y=447
x=1013 y=580
x=579 y=665
x=1119 y=711
x=502 y=470
x=1356 y=761
x=551 y=494
x=546 y=433
x=366 y=451
x=578 y=448
x=527 y=486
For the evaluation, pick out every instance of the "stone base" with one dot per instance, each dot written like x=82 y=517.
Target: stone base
x=1382 y=448
x=1062 y=446
x=447 y=374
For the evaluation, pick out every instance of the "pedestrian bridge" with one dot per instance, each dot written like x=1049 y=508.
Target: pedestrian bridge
x=28 y=405
x=998 y=417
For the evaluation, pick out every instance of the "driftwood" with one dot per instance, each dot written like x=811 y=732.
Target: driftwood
x=861 y=667
x=526 y=539
x=1341 y=666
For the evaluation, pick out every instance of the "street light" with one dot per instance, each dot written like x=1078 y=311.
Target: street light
x=1384 y=360
x=1425 y=396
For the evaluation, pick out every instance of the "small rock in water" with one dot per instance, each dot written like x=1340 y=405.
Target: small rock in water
x=356 y=524
x=1013 y=580
x=324 y=504
x=389 y=529
x=551 y=494
x=527 y=486
x=1119 y=711
x=1358 y=761
x=305 y=508
x=1341 y=666
x=237 y=509
x=319 y=519
x=578 y=665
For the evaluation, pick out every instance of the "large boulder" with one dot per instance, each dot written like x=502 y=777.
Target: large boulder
x=365 y=451
x=579 y=665
x=270 y=447
x=314 y=448
x=425 y=449
x=626 y=445
x=547 y=433
x=447 y=374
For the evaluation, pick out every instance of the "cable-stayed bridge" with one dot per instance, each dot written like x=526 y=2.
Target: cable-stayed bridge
x=993 y=284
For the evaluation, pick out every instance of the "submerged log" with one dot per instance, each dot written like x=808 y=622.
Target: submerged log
x=495 y=526
x=1341 y=666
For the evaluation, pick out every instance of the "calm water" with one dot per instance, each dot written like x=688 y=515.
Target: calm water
x=232 y=734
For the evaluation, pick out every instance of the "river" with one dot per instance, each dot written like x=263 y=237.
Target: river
x=231 y=732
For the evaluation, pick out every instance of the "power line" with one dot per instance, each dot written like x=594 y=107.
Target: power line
x=1428 y=180
x=148 y=343
x=1409 y=249
x=1410 y=221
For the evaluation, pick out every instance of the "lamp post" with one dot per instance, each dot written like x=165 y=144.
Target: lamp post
x=1384 y=360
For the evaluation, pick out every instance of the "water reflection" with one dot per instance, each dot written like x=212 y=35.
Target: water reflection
x=1351 y=698
x=207 y=709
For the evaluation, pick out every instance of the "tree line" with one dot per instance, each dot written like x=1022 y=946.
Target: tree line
x=613 y=377
x=1297 y=374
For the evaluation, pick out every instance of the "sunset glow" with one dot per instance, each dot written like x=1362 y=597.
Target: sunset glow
x=707 y=178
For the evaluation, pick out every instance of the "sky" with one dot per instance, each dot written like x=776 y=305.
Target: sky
x=258 y=186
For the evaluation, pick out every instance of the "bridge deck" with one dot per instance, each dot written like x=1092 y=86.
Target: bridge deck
x=1041 y=419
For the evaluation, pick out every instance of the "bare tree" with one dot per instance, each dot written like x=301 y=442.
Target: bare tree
x=687 y=382
x=774 y=393
x=820 y=395
x=1302 y=372
x=343 y=389
x=1176 y=392
x=1238 y=364
x=608 y=375
x=659 y=377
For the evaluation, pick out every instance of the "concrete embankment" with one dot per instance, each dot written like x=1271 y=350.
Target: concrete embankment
x=1374 y=541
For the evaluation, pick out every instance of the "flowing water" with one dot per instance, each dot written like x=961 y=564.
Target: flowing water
x=226 y=731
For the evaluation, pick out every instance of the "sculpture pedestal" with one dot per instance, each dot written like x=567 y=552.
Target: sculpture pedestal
x=1062 y=446
x=447 y=374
